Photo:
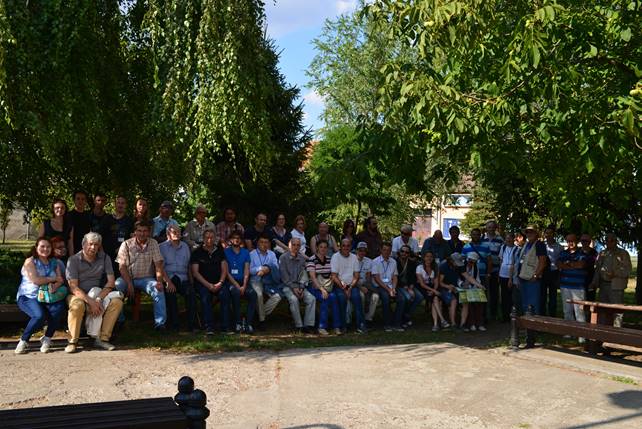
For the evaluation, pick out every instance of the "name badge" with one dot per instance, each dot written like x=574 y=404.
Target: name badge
x=235 y=271
x=386 y=280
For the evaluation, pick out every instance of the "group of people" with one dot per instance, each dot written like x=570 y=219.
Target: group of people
x=114 y=254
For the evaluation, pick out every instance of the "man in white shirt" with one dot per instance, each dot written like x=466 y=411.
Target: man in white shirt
x=384 y=271
x=345 y=276
x=407 y=239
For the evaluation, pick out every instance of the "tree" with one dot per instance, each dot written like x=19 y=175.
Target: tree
x=547 y=92
x=6 y=208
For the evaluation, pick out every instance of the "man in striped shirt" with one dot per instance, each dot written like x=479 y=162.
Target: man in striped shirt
x=572 y=266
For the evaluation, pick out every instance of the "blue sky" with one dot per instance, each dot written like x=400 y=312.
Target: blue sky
x=293 y=24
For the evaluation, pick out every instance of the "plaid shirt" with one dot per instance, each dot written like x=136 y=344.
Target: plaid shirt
x=139 y=259
x=223 y=230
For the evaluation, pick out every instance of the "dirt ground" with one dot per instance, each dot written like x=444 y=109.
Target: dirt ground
x=409 y=386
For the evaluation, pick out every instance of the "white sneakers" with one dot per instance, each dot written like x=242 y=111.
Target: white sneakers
x=22 y=347
x=45 y=344
x=105 y=345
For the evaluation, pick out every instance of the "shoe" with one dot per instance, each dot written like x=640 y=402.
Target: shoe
x=581 y=340
x=387 y=329
x=409 y=324
x=473 y=328
x=239 y=328
x=465 y=329
x=159 y=328
x=71 y=348
x=22 y=347
x=405 y=326
x=323 y=332
x=105 y=345
x=567 y=337
x=338 y=331
x=249 y=330
x=230 y=332
x=361 y=330
x=399 y=329
x=445 y=324
x=210 y=332
x=45 y=344
x=482 y=328
x=435 y=328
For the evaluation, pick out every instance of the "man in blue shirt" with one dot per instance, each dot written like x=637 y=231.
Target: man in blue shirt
x=162 y=221
x=494 y=242
x=176 y=257
x=237 y=260
x=265 y=277
x=572 y=266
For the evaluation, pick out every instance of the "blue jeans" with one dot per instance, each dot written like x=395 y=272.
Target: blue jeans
x=411 y=303
x=186 y=289
x=148 y=285
x=235 y=298
x=385 y=304
x=331 y=301
x=207 y=298
x=40 y=313
x=357 y=306
x=530 y=294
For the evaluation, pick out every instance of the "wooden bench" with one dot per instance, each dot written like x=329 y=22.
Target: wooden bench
x=589 y=331
x=10 y=313
x=186 y=411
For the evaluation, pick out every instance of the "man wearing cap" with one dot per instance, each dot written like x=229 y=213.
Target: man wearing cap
x=369 y=292
x=176 y=255
x=162 y=221
x=384 y=270
x=532 y=261
x=407 y=239
x=193 y=234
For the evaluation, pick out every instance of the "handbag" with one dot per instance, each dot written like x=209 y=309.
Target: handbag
x=47 y=297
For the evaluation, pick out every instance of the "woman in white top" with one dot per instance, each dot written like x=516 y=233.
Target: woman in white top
x=299 y=232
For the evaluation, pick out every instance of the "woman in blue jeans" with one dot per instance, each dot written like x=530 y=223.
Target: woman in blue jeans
x=39 y=269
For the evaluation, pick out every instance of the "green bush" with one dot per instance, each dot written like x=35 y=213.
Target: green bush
x=10 y=265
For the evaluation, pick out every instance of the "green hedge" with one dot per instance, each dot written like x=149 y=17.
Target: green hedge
x=10 y=264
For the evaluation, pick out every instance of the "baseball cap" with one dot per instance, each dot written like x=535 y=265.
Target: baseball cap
x=167 y=204
x=457 y=259
x=362 y=245
x=473 y=256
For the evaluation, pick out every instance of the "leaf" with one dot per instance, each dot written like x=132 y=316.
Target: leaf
x=628 y=121
x=626 y=34
x=589 y=165
x=535 y=55
x=593 y=52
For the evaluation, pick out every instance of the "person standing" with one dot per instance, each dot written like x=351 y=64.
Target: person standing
x=99 y=218
x=80 y=220
x=591 y=257
x=193 y=234
x=483 y=251
x=280 y=236
x=532 y=260
x=227 y=226
x=371 y=236
x=572 y=263
x=348 y=231
x=455 y=245
x=252 y=233
x=237 y=260
x=162 y=221
x=438 y=246
x=295 y=279
x=299 y=232
x=494 y=242
x=141 y=210
x=58 y=225
x=507 y=257
x=176 y=256
x=120 y=227
x=384 y=271
x=612 y=272
x=405 y=239
x=551 y=275
x=324 y=234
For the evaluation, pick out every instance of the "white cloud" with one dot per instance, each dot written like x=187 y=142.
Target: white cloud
x=313 y=98
x=288 y=16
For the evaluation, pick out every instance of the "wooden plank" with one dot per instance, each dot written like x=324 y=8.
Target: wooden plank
x=604 y=333
x=604 y=305
x=11 y=313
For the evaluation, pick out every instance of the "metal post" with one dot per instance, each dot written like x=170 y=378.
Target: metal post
x=192 y=403
x=514 y=329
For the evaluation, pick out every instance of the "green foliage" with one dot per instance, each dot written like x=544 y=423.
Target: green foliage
x=10 y=266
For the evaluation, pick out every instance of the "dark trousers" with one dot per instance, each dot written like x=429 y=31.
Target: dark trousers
x=185 y=289
x=548 y=292
x=475 y=314
x=492 y=307
x=207 y=300
x=507 y=298
x=385 y=304
x=235 y=299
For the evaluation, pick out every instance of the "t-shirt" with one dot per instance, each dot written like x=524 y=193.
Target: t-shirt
x=344 y=266
x=296 y=234
x=209 y=263
x=591 y=258
x=455 y=246
x=483 y=250
x=429 y=279
x=553 y=253
x=365 y=266
x=89 y=274
x=283 y=238
x=80 y=222
x=100 y=224
x=160 y=228
x=407 y=273
x=236 y=262
x=252 y=234
x=374 y=242
x=494 y=244
x=320 y=268
x=507 y=258
x=176 y=259
x=397 y=242
x=386 y=270
x=451 y=274
x=117 y=231
x=572 y=278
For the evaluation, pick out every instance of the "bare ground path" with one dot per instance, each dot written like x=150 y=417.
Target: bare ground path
x=407 y=386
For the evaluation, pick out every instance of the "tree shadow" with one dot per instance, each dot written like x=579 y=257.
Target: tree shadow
x=628 y=399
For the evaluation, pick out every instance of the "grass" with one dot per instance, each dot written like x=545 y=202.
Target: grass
x=625 y=380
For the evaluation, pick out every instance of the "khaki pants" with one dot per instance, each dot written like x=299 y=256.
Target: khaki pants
x=76 y=316
x=610 y=296
x=264 y=308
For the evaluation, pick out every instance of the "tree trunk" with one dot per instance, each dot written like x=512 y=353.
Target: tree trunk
x=638 y=276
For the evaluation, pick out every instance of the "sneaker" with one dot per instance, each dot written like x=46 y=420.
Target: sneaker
x=230 y=332
x=473 y=328
x=567 y=337
x=239 y=328
x=482 y=328
x=105 y=345
x=435 y=328
x=323 y=332
x=71 y=348
x=249 y=330
x=445 y=324
x=210 y=332
x=159 y=328
x=581 y=340
x=387 y=329
x=361 y=330
x=22 y=347
x=45 y=344
x=409 y=323
x=464 y=329
x=398 y=329
x=338 y=331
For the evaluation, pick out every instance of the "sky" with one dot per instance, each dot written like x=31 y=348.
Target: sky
x=294 y=24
